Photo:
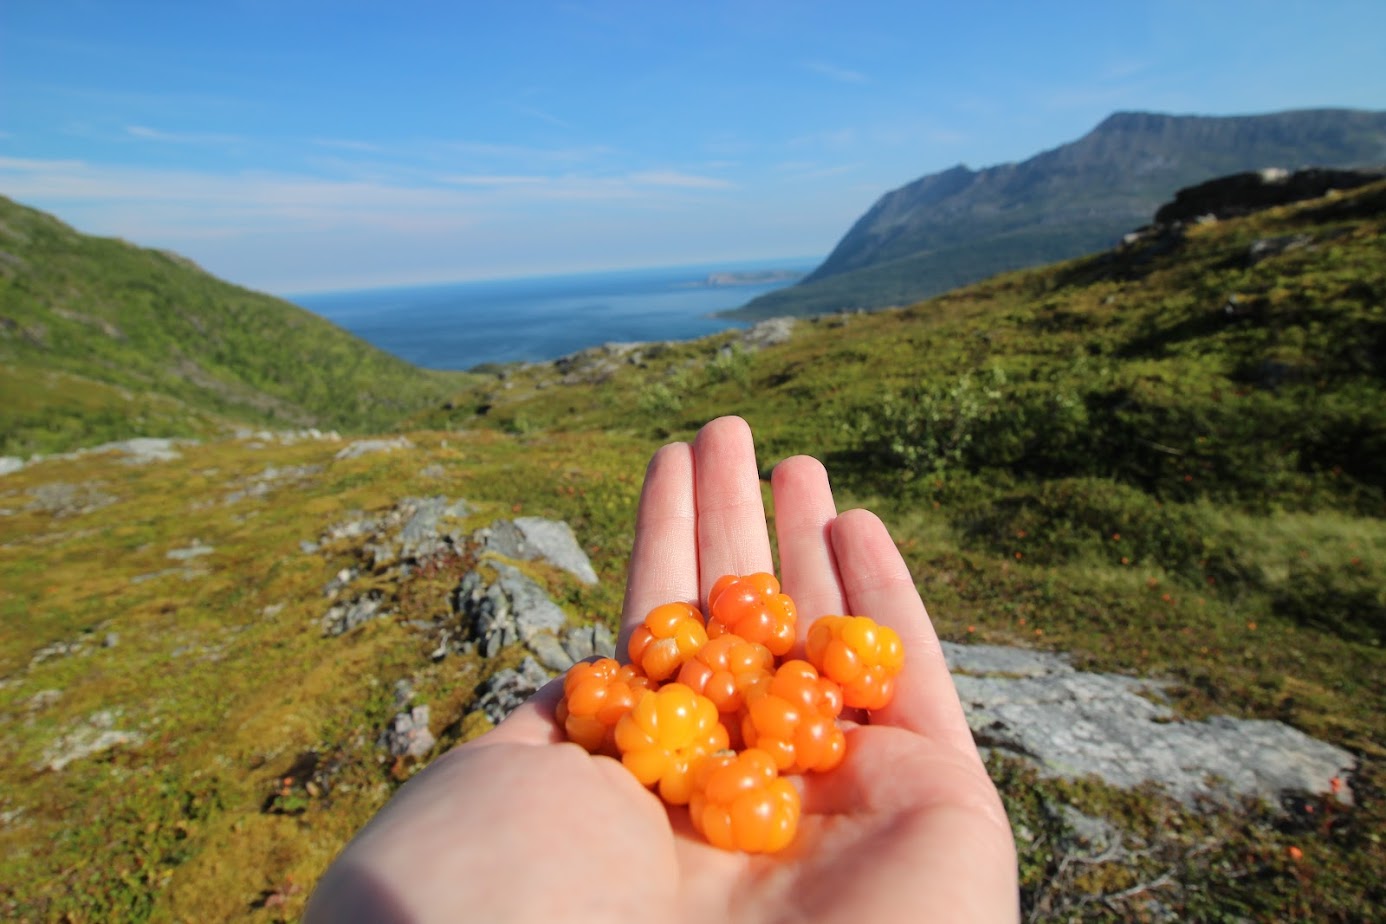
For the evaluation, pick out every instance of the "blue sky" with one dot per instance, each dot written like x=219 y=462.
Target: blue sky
x=298 y=146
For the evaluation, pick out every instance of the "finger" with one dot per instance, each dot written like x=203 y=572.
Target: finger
x=732 y=537
x=804 y=512
x=664 y=558
x=879 y=585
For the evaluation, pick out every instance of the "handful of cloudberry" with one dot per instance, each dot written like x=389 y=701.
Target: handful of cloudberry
x=711 y=712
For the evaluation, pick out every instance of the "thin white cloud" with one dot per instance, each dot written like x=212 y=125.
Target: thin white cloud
x=30 y=164
x=1124 y=68
x=346 y=144
x=679 y=180
x=580 y=186
x=947 y=136
x=831 y=138
x=542 y=115
x=508 y=153
x=493 y=179
x=191 y=202
x=834 y=72
x=801 y=170
x=145 y=133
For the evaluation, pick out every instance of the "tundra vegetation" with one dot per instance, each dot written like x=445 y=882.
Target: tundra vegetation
x=1164 y=460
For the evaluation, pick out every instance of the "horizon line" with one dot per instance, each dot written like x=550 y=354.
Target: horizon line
x=795 y=263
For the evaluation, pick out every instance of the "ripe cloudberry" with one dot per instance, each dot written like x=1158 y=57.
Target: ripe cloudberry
x=725 y=668
x=670 y=635
x=740 y=802
x=665 y=735
x=753 y=608
x=793 y=719
x=863 y=657
x=595 y=696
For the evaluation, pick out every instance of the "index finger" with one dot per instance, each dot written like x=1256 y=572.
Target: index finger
x=732 y=535
x=664 y=559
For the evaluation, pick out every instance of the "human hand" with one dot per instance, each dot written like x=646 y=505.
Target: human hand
x=519 y=825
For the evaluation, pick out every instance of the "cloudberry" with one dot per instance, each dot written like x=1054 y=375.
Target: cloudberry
x=725 y=668
x=595 y=696
x=670 y=635
x=740 y=802
x=793 y=719
x=863 y=657
x=753 y=608
x=666 y=733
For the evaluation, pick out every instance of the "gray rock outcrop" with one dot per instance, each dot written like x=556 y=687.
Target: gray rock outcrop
x=537 y=538
x=364 y=447
x=407 y=735
x=1244 y=193
x=97 y=734
x=509 y=610
x=507 y=690
x=1073 y=724
x=343 y=617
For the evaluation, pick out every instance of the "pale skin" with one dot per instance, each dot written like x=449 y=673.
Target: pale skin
x=519 y=825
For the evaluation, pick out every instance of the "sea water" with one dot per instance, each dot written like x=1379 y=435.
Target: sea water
x=463 y=325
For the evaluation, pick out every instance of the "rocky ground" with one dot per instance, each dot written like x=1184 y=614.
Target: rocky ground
x=502 y=606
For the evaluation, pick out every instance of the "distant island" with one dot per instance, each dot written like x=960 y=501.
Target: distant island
x=753 y=277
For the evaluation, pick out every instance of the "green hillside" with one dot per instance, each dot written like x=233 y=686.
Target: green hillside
x=1163 y=460
x=961 y=225
x=101 y=340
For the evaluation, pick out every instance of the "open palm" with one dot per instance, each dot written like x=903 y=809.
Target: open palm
x=520 y=826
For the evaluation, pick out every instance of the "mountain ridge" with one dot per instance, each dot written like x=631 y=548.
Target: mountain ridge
x=961 y=225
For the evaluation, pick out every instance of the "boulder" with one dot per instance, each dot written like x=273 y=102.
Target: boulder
x=1073 y=724
x=537 y=538
x=365 y=447
x=344 y=617
x=407 y=735
x=97 y=734
x=507 y=690
x=511 y=609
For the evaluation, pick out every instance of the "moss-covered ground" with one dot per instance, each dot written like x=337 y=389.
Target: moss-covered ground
x=1165 y=460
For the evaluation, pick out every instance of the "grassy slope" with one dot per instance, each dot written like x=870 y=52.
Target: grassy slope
x=100 y=340
x=1113 y=467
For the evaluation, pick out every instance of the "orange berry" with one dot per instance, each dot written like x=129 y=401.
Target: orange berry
x=753 y=608
x=663 y=737
x=670 y=635
x=740 y=802
x=595 y=696
x=793 y=719
x=725 y=668
x=863 y=657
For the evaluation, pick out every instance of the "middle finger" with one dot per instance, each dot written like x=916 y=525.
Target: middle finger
x=732 y=537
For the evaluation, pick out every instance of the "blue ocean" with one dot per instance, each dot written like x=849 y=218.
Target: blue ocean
x=462 y=325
